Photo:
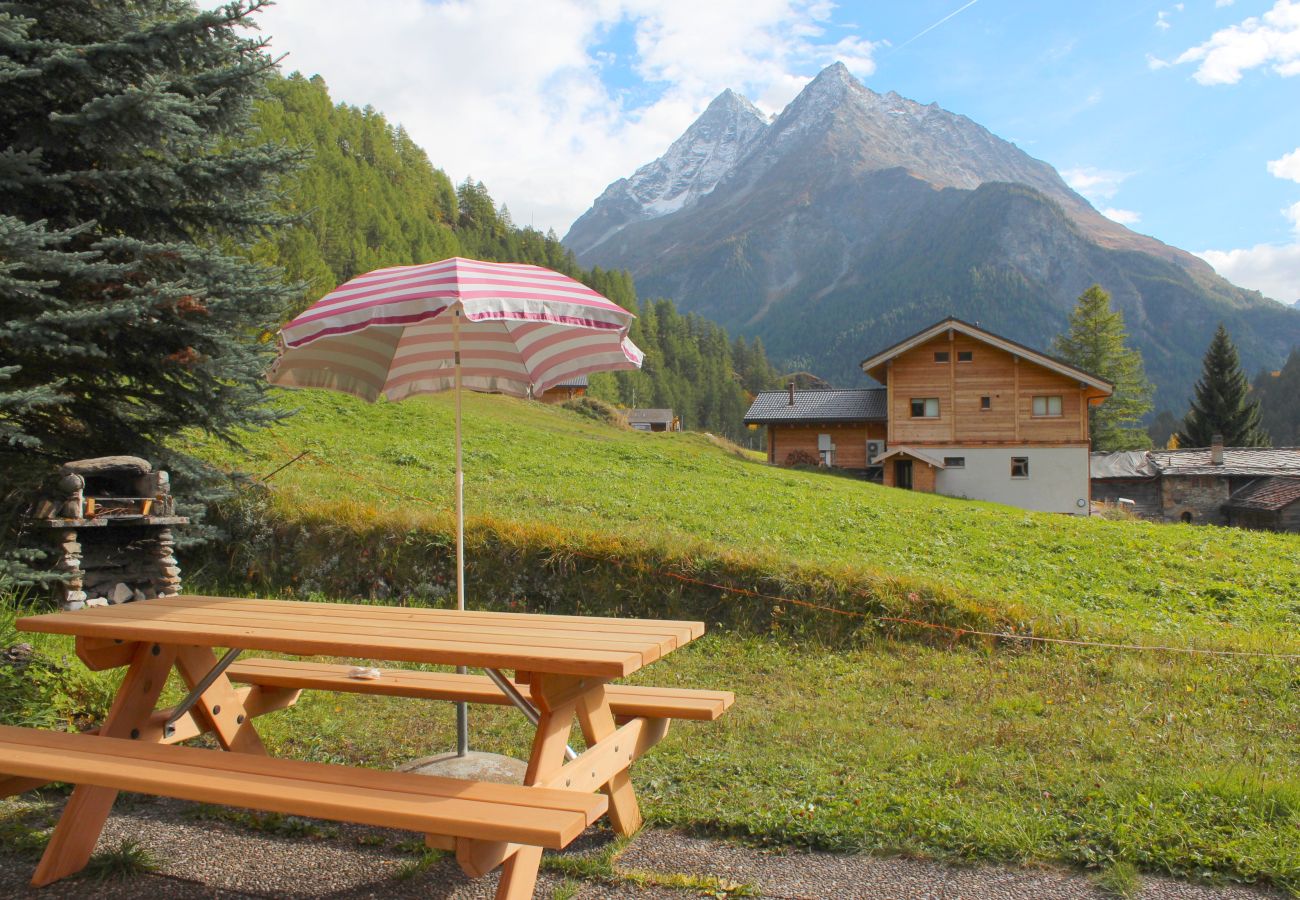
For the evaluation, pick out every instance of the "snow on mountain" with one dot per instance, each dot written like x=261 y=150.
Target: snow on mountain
x=691 y=168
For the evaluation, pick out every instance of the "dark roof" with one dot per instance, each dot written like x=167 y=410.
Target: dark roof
x=1237 y=461
x=864 y=405
x=976 y=331
x=1267 y=493
x=651 y=416
x=1122 y=464
x=576 y=381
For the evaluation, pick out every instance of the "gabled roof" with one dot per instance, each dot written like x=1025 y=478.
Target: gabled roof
x=773 y=407
x=1269 y=494
x=651 y=416
x=1239 y=461
x=915 y=454
x=1100 y=386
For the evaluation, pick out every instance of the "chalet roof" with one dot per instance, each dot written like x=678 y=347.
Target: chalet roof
x=576 y=381
x=651 y=416
x=1123 y=464
x=773 y=407
x=1237 y=461
x=1269 y=494
x=1104 y=387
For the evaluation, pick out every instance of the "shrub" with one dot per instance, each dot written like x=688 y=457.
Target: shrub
x=599 y=410
x=801 y=458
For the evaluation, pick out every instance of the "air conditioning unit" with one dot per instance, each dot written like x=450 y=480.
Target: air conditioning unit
x=874 y=449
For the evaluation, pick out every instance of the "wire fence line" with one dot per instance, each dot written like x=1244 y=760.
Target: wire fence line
x=956 y=631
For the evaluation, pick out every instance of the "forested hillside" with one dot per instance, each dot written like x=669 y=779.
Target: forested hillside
x=370 y=197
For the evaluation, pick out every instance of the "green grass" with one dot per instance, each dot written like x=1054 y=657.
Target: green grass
x=529 y=465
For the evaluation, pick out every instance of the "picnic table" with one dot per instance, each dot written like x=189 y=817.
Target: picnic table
x=562 y=668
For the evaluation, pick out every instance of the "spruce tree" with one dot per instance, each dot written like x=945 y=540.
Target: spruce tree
x=1096 y=343
x=1222 y=405
x=129 y=309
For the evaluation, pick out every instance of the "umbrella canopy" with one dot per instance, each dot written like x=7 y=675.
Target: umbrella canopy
x=521 y=328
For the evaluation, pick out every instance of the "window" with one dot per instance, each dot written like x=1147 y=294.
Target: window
x=925 y=407
x=1047 y=405
x=1020 y=467
x=986 y=402
x=954 y=462
x=941 y=356
x=965 y=355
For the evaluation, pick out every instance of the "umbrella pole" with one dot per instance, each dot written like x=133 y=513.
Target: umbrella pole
x=462 y=708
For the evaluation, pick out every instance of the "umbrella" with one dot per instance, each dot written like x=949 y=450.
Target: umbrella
x=458 y=323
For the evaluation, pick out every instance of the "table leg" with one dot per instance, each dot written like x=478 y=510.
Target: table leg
x=557 y=702
x=597 y=723
x=220 y=705
x=87 y=809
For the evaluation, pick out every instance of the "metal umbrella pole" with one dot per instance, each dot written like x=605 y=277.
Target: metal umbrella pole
x=462 y=708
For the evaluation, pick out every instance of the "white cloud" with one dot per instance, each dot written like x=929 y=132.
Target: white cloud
x=1162 y=20
x=1272 y=39
x=1218 y=4
x=1095 y=184
x=1122 y=216
x=516 y=94
x=1287 y=167
x=1155 y=63
x=1271 y=269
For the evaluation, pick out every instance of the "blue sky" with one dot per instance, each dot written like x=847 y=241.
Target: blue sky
x=1181 y=120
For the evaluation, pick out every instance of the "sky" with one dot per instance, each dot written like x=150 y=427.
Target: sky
x=1180 y=120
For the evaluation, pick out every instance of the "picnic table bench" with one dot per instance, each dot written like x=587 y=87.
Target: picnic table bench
x=563 y=663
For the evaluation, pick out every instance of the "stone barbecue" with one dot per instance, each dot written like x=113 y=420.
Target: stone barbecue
x=109 y=521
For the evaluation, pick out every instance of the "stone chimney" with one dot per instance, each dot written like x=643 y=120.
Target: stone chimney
x=790 y=386
x=1216 y=450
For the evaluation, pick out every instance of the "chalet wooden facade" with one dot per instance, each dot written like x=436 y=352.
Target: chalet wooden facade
x=561 y=393
x=963 y=412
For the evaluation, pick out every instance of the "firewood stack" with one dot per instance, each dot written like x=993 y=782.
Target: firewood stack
x=109 y=521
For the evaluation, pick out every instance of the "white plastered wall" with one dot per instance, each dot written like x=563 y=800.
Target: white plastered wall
x=1057 y=482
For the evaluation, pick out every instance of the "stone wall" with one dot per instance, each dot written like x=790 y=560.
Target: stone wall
x=1195 y=499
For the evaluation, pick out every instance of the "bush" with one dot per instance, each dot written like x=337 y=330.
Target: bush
x=801 y=458
x=599 y=410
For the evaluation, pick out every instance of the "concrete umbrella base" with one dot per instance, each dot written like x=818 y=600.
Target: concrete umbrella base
x=474 y=766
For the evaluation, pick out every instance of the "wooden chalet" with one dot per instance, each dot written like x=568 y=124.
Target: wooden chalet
x=963 y=412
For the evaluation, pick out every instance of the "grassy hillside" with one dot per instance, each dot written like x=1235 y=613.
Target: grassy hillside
x=692 y=502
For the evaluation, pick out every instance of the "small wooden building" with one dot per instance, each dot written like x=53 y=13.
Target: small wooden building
x=1269 y=504
x=561 y=393
x=653 y=420
x=825 y=427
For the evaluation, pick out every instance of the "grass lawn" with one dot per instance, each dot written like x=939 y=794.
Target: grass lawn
x=1171 y=763
x=529 y=463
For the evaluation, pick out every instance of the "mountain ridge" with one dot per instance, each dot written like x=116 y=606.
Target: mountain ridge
x=823 y=233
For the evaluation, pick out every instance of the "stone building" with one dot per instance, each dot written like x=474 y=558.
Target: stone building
x=1252 y=487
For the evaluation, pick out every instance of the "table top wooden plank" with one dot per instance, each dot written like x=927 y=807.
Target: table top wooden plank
x=508 y=640
x=669 y=634
x=470 y=633
x=687 y=629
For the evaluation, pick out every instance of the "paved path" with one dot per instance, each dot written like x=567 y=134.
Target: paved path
x=203 y=857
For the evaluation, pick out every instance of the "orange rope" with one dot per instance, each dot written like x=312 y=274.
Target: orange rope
x=957 y=632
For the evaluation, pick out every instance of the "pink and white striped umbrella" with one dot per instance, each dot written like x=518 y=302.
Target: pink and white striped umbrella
x=391 y=332
x=495 y=327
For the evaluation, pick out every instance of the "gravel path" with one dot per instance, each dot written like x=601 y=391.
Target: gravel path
x=205 y=857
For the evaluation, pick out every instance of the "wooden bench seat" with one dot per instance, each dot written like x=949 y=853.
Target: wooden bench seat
x=625 y=701
x=478 y=811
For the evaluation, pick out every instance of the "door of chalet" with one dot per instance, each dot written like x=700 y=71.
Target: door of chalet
x=903 y=473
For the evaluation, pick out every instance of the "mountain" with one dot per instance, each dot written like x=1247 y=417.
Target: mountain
x=855 y=218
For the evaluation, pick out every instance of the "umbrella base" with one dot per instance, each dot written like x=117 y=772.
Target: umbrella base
x=473 y=766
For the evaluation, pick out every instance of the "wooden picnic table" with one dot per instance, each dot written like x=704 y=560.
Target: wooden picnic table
x=562 y=663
